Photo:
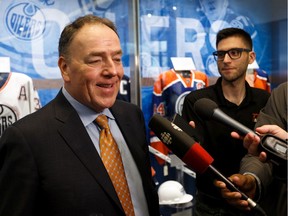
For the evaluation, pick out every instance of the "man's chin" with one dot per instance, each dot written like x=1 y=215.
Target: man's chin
x=99 y=106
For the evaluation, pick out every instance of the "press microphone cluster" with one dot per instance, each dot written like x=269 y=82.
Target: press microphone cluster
x=275 y=148
x=191 y=152
x=207 y=109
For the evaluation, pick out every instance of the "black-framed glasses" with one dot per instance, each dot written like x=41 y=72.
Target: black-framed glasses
x=234 y=53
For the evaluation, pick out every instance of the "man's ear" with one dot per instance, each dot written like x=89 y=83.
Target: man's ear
x=62 y=64
x=252 y=57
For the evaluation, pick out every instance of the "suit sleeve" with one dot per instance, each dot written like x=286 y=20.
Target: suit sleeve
x=18 y=175
x=263 y=171
x=273 y=113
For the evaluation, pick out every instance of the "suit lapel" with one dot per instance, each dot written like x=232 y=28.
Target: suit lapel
x=126 y=127
x=82 y=146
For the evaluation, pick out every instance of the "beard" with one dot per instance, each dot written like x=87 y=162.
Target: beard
x=233 y=77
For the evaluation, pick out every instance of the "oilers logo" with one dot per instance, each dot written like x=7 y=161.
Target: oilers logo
x=22 y=22
x=179 y=102
x=7 y=117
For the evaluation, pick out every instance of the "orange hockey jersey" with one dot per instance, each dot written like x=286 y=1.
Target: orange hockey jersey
x=169 y=92
x=259 y=79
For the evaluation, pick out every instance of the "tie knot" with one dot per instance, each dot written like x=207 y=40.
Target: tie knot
x=102 y=121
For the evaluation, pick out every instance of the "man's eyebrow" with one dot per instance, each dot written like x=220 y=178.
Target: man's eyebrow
x=118 y=52
x=95 y=53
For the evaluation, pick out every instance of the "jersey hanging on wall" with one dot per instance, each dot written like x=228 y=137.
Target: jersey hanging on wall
x=17 y=98
x=258 y=78
x=169 y=92
x=124 y=90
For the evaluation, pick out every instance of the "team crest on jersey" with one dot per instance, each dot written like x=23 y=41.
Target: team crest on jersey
x=25 y=21
x=200 y=85
x=7 y=117
x=179 y=102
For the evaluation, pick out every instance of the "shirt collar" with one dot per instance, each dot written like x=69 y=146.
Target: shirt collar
x=223 y=101
x=86 y=114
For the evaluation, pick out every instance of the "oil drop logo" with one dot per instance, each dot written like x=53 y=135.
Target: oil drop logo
x=22 y=22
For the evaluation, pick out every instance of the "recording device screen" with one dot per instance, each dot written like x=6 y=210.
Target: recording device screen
x=276 y=150
x=280 y=148
x=275 y=146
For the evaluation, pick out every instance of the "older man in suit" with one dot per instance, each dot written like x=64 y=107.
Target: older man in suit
x=51 y=162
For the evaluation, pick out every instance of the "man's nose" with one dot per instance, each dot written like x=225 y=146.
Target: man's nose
x=227 y=58
x=110 y=67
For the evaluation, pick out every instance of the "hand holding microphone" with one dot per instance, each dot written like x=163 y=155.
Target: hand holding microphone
x=247 y=183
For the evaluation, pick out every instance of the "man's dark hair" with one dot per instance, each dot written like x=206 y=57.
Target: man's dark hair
x=70 y=31
x=229 y=32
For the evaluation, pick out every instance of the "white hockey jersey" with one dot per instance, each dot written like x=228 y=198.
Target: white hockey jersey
x=18 y=98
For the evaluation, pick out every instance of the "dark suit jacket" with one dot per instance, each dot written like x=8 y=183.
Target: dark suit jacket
x=49 y=165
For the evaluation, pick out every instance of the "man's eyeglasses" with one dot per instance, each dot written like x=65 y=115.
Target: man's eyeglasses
x=234 y=53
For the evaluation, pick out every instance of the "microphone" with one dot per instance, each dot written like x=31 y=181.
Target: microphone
x=191 y=152
x=208 y=109
x=274 y=147
x=181 y=144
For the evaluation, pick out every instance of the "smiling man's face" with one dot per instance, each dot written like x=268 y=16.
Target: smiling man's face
x=94 y=69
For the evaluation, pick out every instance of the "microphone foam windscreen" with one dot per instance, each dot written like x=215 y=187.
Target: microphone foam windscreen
x=197 y=158
x=181 y=144
x=205 y=107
